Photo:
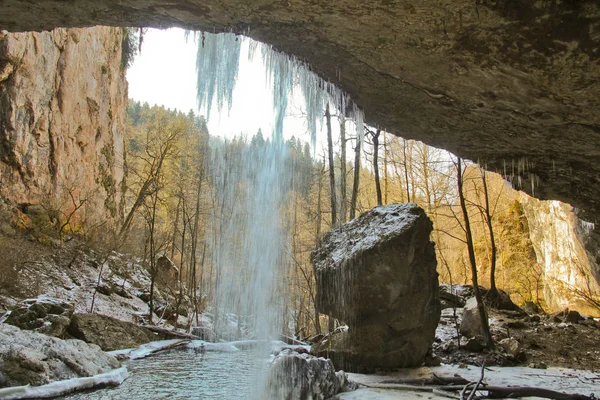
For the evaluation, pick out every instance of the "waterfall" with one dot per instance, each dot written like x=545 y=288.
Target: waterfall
x=248 y=238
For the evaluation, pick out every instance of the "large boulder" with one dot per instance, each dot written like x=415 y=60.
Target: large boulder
x=377 y=274
x=30 y=358
x=107 y=332
x=44 y=315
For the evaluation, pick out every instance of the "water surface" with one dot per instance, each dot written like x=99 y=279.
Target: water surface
x=187 y=374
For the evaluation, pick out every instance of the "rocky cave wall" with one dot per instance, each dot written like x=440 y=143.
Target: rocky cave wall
x=63 y=100
x=569 y=266
x=512 y=84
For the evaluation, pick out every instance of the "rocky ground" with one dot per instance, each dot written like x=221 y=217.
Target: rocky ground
x=536 y=340
x=60 y=283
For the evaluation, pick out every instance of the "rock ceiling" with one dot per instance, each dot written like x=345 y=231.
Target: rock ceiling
x=513 y=84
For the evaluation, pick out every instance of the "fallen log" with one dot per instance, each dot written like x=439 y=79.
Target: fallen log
x=171 y=334
x=514 y=392
x=493 y=392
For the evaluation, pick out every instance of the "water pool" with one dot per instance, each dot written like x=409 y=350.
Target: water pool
x=187 y=374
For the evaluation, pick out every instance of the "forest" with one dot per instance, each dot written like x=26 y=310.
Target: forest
x=179 y=202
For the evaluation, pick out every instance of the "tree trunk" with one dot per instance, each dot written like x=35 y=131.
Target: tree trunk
x=175 y=224
x=406 y=171
x=193 y=260
x=331 y=169
x=494 y=250
x=153 y=271
x=356 y=174
x=376 y=165
x=385 y=168
x=317 y=242
x=343 y=170
x=471 y=250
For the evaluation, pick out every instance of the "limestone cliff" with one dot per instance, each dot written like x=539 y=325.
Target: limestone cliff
x=558 y=237
x=63 y=97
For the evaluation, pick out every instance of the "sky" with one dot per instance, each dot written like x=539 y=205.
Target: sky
x=164 y=73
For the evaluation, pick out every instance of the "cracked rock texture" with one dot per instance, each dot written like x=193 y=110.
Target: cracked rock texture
x=63 y=97
x=502 y=82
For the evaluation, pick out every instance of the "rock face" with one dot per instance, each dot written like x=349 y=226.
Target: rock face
x=44 y=315
x=377 y=274
x=108 y=333
x=63 y=98
x=29 y=358
x=569 y=270
x=303 y=377
x=513 y=84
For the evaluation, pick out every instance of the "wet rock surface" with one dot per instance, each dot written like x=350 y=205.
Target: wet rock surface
x=30 y=358
x=301 y=376
x=377 y=274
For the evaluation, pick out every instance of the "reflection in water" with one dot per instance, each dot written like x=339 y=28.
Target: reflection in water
x=185 y=374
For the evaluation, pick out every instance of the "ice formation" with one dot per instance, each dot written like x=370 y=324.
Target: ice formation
x=218 y=64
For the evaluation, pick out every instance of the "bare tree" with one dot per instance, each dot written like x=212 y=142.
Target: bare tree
x=376 y=165
x=493 y=293
x=471 y=251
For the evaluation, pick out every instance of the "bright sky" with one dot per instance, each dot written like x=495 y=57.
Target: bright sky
x=165 y=74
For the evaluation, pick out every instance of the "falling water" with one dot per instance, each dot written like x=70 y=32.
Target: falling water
x=248 y=239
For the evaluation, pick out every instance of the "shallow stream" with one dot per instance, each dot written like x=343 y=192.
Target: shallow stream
x=186 y=374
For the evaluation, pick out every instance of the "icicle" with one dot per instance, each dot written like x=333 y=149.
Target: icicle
x=217 y=64
x=587 y=226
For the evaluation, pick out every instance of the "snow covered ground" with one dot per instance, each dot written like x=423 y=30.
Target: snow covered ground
x=111 y=378
x=381 y=386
